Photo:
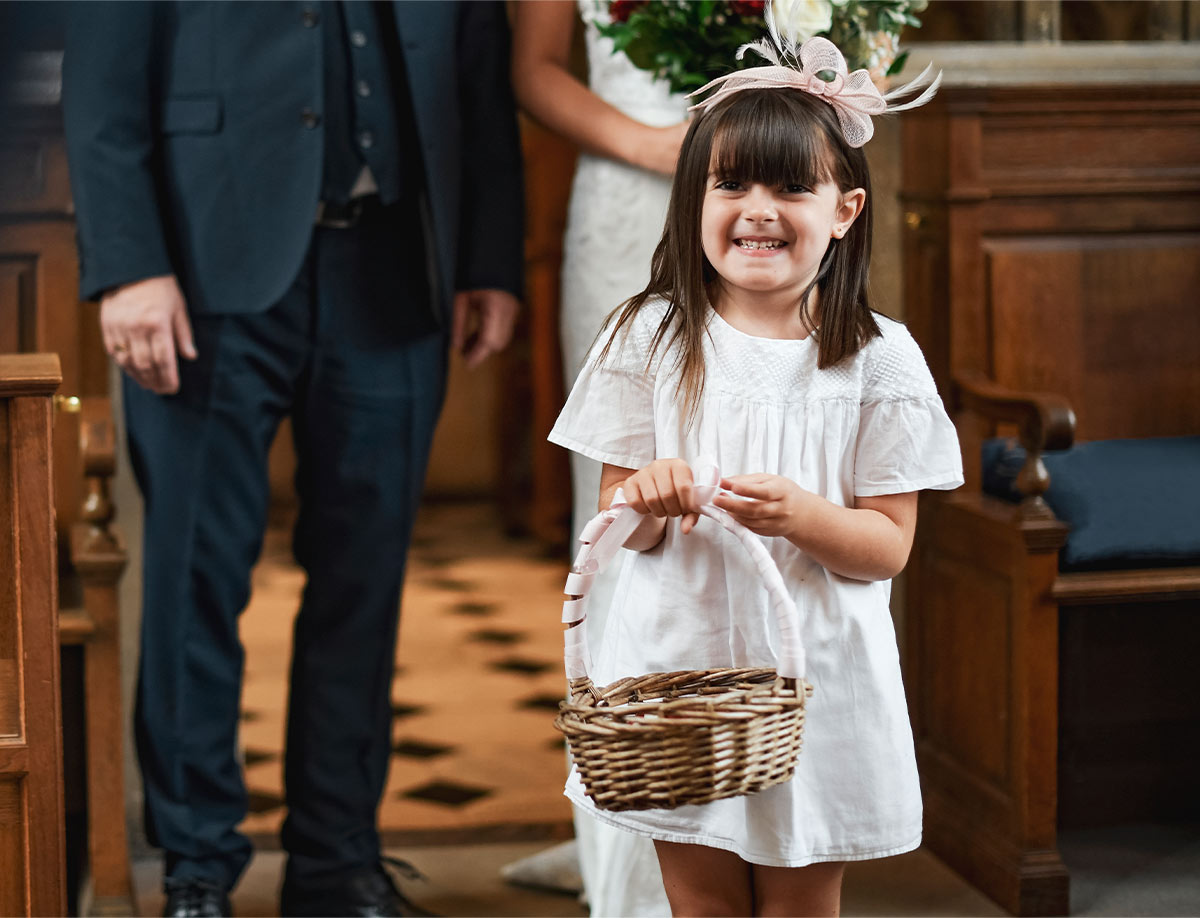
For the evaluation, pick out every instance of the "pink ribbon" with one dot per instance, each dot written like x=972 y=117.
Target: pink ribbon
x=854 y=96
x=603 y=537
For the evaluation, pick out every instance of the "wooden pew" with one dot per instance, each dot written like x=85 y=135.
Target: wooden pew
x=1052 y=260
x=40 y=312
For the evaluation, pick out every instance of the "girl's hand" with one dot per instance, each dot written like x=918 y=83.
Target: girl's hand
x=768 y=505
x=664 y=489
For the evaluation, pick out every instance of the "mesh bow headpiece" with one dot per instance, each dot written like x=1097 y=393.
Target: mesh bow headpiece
x=853 y=96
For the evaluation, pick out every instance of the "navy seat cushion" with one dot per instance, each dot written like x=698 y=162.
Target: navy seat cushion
x=1130 y=503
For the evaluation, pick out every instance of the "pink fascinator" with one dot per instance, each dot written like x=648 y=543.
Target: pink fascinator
x=853 y=96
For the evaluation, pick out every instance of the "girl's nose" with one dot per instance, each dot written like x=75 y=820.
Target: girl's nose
x=760 y=205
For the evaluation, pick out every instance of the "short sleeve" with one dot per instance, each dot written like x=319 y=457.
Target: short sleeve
x=609 y=415
x=906 y=441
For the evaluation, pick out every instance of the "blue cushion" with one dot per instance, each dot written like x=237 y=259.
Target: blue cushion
x=1130 y=503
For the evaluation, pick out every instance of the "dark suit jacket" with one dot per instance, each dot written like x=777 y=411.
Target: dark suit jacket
x=190 y=152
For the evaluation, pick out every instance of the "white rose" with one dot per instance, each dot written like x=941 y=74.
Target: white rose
x=800 y=20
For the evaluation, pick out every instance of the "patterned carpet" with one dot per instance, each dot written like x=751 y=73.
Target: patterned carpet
x=479 y=675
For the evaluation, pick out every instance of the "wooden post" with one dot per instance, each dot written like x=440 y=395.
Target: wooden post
x=32 y=821
x=99 y=558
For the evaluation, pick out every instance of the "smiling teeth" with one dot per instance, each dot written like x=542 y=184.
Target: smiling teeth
x=755 y=244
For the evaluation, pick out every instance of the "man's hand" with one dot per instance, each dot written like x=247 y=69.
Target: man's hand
x=145 y=325
x=483 y=323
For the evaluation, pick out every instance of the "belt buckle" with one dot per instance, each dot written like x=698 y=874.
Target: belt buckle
x=339 y=216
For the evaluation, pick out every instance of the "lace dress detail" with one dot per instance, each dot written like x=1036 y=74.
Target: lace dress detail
x=616 y=213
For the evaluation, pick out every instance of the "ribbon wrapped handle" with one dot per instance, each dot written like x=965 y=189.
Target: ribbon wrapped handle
x=604 y=535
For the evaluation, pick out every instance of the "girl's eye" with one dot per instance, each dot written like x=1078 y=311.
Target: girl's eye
x=729 y=185
x=795 y=189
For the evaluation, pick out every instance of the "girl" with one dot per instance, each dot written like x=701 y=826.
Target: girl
x=753 y=346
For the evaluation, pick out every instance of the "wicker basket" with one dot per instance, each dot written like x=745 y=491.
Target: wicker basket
x=663 y=740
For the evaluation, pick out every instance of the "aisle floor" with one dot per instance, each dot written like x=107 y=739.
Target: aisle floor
x=479 y=675
x=476 y=779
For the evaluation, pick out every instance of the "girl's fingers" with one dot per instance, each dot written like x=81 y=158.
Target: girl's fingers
x=681 y=489
x=742 y=509
x=756 y=525
x=651 y=499
x=642 y=494
x=688 y=523
x=665 y=492
x=757 y=486
x=633 y=495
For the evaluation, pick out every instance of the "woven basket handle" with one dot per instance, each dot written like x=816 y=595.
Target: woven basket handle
x=606 y=533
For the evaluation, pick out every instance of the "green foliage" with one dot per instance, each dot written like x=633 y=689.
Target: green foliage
x=687 y=44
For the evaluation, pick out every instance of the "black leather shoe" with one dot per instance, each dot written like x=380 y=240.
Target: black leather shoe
x=189 y=897
x=370 y=893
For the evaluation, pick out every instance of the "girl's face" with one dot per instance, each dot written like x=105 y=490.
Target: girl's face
x=769 y=241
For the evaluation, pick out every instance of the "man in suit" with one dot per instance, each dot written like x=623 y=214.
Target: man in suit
x=286 y=209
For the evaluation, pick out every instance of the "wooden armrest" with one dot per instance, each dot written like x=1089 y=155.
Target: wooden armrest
x=1045 y=421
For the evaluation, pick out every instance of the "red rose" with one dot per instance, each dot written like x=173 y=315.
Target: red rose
x=748 y=7
x=619 y=10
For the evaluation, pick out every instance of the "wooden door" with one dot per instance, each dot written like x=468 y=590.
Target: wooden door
x=32 y=867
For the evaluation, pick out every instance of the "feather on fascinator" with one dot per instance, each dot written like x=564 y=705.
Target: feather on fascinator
x=854 y=96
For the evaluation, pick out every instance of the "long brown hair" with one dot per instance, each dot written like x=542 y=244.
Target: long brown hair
x=773 y=137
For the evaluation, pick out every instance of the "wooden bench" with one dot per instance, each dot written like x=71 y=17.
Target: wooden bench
x=40 y=312
x=32 y=859
x=1052 y=261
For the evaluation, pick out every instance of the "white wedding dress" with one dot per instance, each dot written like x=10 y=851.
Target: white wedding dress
x=614 y=222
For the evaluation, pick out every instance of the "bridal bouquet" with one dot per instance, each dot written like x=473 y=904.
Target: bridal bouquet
x=688 y=42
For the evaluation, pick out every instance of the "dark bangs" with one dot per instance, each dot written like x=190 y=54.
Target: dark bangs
x=775 y=138
x=769 y=138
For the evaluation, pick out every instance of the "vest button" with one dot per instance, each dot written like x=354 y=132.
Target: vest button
x=358 y=38
x=363 y=88
x=366 y=139
x=309 y=118
x=309 y=19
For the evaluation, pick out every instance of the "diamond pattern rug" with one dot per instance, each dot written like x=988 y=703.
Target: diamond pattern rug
x=479 y=675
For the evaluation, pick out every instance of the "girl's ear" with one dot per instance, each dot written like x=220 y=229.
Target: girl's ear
x=851 y=205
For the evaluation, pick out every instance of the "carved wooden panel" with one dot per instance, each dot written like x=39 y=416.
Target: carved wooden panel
x=40 y=312
x=14 y=895
x=974 y=695
x=33 y=174
x=18 y=312
x=1084 y=316
x=1078 y=147
x=10 y=658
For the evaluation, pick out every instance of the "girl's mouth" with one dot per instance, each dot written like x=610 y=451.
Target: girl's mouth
x=753 y=245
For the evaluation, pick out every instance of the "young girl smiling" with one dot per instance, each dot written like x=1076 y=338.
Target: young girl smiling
x=753 y=346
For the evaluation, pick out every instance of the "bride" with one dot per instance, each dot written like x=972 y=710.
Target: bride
x=629 y=127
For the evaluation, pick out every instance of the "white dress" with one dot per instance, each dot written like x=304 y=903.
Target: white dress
x=872 y=425
x=614 y=221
